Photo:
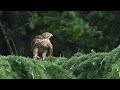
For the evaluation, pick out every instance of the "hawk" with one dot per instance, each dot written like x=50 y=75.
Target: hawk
x=41 y=45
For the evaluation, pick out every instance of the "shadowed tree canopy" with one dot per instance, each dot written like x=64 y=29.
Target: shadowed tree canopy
x=73 y=31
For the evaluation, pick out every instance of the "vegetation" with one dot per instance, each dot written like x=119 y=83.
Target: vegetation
x=74 y=31
x=85 y=44
x=80 y=66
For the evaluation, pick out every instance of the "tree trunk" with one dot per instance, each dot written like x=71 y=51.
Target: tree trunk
x=6 y=39
x=16 y=53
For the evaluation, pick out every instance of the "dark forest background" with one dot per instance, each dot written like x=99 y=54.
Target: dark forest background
x=73 y=31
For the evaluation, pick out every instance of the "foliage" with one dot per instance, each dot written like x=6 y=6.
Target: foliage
x=14 y=67
x=73 y=31
x=84 y=44
x=101 y=65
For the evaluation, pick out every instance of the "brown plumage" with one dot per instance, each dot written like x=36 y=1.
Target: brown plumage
x=41 y=44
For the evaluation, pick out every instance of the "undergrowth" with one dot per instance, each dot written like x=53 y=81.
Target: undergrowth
x=100 y=65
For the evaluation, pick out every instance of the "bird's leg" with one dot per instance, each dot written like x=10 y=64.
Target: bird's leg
x=37 y=57
x=44 y=55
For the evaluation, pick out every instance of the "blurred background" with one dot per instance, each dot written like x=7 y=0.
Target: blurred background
x=73 y=31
